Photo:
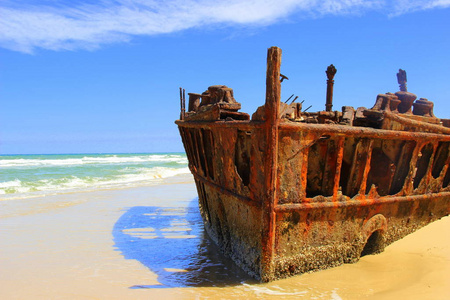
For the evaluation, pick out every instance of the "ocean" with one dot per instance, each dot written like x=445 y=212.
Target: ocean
x=25 y=176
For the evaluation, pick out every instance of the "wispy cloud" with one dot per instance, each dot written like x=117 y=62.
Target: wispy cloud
x=68 y=25
x=406 y=6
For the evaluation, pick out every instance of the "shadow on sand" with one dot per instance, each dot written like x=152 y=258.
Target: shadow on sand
x=172 y=243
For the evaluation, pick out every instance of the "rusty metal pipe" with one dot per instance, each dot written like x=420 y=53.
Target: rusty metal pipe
x=181 y=104
x=331 y=71
x=423 y=125
x=183 y=110
x=364 y=202
x=362 y=132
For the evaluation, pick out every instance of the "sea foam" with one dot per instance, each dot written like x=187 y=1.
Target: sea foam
x=109 y=159
x=31 y=176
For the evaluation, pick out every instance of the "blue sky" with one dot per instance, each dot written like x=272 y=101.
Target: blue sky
x=103 y=76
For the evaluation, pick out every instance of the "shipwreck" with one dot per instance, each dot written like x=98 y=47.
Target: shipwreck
x=287 y=191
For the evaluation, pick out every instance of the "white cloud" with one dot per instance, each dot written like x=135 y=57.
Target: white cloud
x=406 y=6
x=68 y=25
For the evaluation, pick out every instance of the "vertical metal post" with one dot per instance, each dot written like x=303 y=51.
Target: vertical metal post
x=181 y=104
x=331 y=71
x=272 y=107
x=183 y=111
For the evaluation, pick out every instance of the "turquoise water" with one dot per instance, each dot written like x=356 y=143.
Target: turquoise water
x=35 y=175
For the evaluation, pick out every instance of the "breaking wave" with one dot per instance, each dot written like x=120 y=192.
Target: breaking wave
x=43 y=161
x=35 y=175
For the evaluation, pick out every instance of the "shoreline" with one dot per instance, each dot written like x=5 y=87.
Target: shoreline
x=175 y=179
x=148 y=242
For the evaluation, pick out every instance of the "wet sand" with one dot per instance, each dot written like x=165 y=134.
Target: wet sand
x=148 y=243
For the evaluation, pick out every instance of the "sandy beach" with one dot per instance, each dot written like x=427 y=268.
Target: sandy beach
x=148 y=243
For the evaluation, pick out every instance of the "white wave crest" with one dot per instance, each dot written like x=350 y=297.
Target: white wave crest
x=86 y=160
x=10 y=184
x=146 y=176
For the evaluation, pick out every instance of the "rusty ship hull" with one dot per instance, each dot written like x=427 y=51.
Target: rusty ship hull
x=287 y=192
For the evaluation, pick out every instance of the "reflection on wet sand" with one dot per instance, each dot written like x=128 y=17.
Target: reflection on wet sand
x=171 y=242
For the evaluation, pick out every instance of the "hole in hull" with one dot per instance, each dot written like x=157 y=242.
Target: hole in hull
x=374 y=244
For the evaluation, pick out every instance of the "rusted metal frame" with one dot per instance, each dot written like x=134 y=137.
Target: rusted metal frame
x=423 y=125
x=408 y=187
x=304 y=152
x=349 y=203
x=327 y=166
x=196 y=151
x=363 y=186
x=363 y=132
x=339 y=157
x=359 y=164
x=189 y=148
x=213 y=148
x=403 y=166
x=272 y=103
x=430 y=163
x=191 y=135
x=225 y=191
x=304 y=172
x=242 y=125
x=428 y=175
x=444 y=171
x=187 y=135
x=199 y=147
x=204 y=200
x=184 y=140
x=200 y=134
x=211 y=139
